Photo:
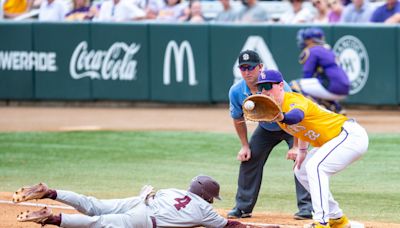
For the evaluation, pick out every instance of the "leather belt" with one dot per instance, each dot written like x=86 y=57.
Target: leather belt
x=153 y=221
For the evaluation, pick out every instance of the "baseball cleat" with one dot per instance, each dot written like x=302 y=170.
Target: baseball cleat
x=28 y=193
x=342 y=222
x=39 y=216
x=302 y=215
x=236 y=213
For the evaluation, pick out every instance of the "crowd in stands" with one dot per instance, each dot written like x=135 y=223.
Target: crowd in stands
x=317 y=11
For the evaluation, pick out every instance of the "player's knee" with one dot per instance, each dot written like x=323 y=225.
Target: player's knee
x=300 y=173
x=311 y=167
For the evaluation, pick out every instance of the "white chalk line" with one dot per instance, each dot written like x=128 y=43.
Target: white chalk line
x=36 y=205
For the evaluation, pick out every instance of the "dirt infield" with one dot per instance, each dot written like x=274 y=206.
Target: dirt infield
x=191 y=119
x=214 y=119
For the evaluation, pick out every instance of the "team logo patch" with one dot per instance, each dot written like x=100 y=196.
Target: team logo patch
x=353 y=58
x=246 y=57
x=263 y=76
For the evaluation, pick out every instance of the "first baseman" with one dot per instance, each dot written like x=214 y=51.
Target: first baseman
x=337 y=141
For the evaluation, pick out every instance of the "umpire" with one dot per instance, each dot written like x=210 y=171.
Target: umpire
x=254 y=154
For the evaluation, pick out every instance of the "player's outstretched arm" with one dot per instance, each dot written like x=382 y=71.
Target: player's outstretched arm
x=237 y=224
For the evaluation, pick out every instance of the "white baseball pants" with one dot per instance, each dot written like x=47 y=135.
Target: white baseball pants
x=313 y=87
x=119 y=213
x=321 y=163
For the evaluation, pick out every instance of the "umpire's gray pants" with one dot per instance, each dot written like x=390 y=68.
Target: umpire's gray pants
x=115 y=213
x=251 y=172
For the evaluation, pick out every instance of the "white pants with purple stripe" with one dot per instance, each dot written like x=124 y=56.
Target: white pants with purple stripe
x=314 y=88
x=114 y=213
x=323 y=162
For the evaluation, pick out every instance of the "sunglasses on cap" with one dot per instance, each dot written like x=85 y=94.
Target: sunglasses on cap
x=267 y=86
x=247 y=67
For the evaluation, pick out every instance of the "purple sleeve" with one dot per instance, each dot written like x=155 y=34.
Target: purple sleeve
x=310 y=63
x=293 y=117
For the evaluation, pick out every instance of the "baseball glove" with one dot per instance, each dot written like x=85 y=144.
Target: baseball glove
x=265 y=109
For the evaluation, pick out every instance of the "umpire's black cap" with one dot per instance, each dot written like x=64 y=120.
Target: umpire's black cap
x=249 y=57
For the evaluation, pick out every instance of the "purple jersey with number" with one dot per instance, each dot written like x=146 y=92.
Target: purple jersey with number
x=179 y=208
x=320 y=62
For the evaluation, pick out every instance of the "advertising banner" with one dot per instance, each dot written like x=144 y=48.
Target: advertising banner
x=17 y=61
x=276 y=45
x=227 y=41
x=398 y=64
x=179 y=64
x=285 y=49
x=59 y=79
x=119 y=68
x=369 y=56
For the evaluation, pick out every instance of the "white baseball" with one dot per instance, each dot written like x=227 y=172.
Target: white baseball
x=249 y=105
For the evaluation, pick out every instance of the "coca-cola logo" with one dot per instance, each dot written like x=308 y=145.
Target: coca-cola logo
x=116 y=63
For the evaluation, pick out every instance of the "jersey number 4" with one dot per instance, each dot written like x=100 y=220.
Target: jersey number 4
x=182 y=202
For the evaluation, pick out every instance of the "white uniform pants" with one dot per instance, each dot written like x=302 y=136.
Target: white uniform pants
x=313 y=87
x=119 y=213
x=321 y=163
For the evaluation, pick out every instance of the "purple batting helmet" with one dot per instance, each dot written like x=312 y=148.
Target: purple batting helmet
x=313 y=33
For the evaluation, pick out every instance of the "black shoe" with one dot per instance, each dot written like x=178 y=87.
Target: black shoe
x=236 y=213
x=302 y=215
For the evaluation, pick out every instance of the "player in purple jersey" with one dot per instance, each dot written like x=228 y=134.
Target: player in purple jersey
x=164 y=208
x=323 y=78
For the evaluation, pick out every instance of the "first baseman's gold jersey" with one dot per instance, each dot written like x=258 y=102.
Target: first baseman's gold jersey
x=318 y=126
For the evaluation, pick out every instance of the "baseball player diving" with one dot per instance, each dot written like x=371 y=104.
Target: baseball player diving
x=164 y=208
x=337 y=142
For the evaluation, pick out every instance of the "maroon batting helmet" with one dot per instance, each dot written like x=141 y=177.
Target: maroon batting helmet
x=205 y=187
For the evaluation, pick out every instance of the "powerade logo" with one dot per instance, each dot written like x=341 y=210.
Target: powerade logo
x=353 y=58
x=28 y=60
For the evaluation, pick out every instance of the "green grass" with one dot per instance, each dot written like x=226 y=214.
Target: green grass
x=117 y=164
